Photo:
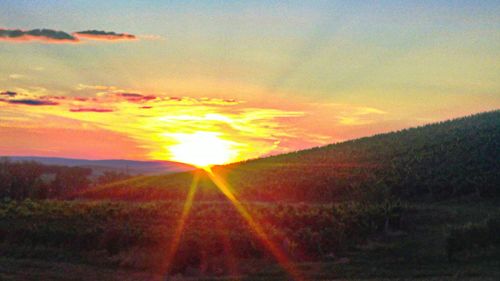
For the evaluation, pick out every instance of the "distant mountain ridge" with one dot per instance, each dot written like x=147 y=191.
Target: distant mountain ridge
x=118 y=165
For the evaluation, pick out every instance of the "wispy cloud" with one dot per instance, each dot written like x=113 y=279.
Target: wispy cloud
x=358 y=116
x=16 y=76
x=134 y=97
x=112 y=94
x=103 y=35
x=32 y=97
x=349 y=114
x=156 y=121
x=81 y=86
x=98 y=110
x=151 y=37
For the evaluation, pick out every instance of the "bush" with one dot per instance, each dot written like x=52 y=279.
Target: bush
x=472 y=236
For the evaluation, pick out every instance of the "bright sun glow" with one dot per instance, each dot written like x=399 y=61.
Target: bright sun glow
x=202 y=149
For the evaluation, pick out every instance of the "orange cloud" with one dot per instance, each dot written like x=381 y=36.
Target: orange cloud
x=103 y=35
x=135 y=97
x=160 y=121
x=157 y=122
x=91 y=109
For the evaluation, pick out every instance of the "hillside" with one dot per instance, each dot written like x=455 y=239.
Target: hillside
x=439 y=161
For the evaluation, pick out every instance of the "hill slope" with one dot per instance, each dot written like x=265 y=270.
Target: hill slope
x=433 y=162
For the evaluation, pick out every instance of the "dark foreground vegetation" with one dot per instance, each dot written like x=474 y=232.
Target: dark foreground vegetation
x=126 y=234
x=55 y=240
x=422 y=203
x=472 y=237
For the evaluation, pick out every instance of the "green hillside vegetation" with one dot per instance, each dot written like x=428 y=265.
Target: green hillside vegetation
x=434 y=162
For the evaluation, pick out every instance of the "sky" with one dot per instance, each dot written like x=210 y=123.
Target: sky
x=233 y=80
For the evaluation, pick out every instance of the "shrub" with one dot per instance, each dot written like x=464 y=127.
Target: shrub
x=472 y=236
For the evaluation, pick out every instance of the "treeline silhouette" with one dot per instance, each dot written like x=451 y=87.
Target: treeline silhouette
x=29 y=179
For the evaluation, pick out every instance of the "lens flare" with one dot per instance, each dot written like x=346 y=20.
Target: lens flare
x=174 y=244
x=280 y=256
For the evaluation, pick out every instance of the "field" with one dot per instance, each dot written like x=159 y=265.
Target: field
x=120 y=231
x=416 y=249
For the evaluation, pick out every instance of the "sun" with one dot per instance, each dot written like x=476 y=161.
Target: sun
x=203 y=149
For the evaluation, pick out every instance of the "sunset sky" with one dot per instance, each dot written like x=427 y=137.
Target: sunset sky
x=152 y=79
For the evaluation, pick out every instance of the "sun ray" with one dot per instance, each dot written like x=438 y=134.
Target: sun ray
x=230 y=259
x=281 y=257
x=231 y=263
x=166 y=266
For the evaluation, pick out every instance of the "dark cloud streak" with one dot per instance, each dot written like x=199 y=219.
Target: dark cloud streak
x=8 y=93
x=104 y=35
x=46 y=35
x=134 y=97
x=32 y=102
x=55 y=36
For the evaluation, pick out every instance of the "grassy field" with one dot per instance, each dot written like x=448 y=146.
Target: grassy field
x=416 y=252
